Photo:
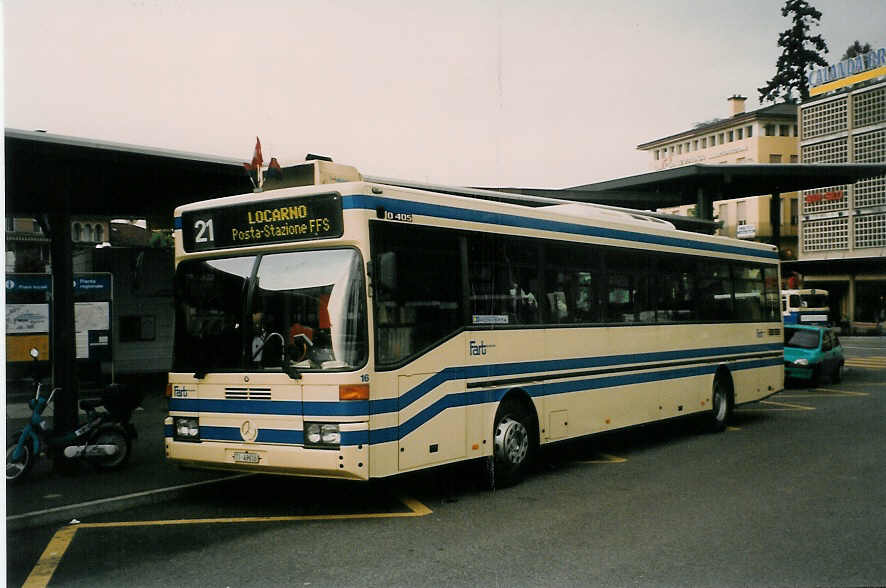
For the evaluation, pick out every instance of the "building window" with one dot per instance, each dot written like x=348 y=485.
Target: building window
x=723 y=214
x=775 y=158
x=137 y=328
x=795 y=205
x=769 y=130
x=655 y=154
x=784 y=130
x=824 y=119
x=731 y=136
x=722 y=138
x=679 y=149
x=740 y=133
x=869 y=108
x=704 y=143
x=795 y=158
x=741 y=214
x=795 y=130
x=75 y=233
x=750 y=131
x=695 y=145
x=99 y=233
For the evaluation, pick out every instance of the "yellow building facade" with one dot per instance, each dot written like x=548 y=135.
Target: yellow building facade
x=766 y=135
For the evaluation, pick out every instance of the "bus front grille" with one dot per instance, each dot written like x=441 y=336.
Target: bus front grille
x=247 y=394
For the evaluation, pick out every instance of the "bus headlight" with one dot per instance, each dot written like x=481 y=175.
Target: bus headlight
x=802 y=361
x=322 y=435
x=186 y=428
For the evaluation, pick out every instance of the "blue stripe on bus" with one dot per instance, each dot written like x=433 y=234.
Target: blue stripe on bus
x=389 y=405
x=276 y=407
x=532 y=367
x=536 y=390
x=494 y=218
x=389 y=434
x=177 y=223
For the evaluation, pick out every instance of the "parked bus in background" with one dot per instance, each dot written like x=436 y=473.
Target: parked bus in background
x=805 y=307
x=360 y=329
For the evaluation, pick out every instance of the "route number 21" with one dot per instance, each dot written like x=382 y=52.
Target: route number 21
x=204 y=231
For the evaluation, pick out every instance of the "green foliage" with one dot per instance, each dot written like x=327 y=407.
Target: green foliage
x=162 y=239
x=800 y=51
x=855 y=50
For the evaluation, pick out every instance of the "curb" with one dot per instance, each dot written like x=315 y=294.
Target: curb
x=64 y=514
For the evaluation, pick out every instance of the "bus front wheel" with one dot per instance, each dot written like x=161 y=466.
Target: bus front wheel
x=512 y=442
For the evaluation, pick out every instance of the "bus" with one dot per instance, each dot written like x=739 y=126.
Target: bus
x=807 y=306
x=360 y=329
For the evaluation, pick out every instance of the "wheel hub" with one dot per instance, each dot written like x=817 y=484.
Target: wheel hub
x=511 y=441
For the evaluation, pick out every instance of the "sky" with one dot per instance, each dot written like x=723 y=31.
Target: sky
x=530 y=93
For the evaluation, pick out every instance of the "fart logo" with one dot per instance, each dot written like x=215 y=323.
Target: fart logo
x=477 y=348
x=181 y=391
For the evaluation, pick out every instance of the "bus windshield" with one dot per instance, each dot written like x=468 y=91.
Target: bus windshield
x=814 y=300
x=303 y=309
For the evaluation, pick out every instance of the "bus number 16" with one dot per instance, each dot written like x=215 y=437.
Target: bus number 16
x=204 y=231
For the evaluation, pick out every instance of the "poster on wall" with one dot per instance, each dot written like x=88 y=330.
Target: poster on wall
x=24 y=319
x=90 y=316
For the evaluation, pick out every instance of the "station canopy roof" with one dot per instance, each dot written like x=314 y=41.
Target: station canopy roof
x=106 y=178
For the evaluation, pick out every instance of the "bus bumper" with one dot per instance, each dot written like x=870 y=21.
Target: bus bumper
x=347 y=461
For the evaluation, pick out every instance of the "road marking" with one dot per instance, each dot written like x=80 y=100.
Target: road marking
x=824 y=392
x=786 y=407
x=52 y=555
x=605 y=458
x=875 y=362
x=147 y=495
x=58 y=545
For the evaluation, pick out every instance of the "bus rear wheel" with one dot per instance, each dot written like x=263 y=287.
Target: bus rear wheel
x=721 y=403
x=513 y=447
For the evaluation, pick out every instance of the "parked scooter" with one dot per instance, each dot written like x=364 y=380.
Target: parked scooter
x=104 y=440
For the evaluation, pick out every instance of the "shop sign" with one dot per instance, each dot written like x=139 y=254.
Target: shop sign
x=746 y=231
x=823 y=196
x=848 y=67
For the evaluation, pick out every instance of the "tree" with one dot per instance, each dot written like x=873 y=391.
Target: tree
x=800 y=51
x=855 y=50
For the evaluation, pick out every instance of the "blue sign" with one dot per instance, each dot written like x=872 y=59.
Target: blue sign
x=92 y=286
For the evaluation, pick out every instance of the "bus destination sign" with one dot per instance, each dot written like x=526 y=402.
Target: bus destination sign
x=270 y=221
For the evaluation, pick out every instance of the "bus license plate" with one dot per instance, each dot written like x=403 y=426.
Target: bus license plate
x=246 y=457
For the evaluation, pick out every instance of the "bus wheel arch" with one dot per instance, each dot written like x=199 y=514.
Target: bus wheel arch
x=515 y=438
x=722 y=399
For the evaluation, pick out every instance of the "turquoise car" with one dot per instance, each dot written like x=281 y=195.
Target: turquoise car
x=812 y=352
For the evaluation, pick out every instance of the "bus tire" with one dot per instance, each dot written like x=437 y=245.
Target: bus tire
x=513 y=443
x=722 y=401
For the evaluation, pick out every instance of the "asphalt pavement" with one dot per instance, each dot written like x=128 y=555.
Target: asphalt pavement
x=46 y=496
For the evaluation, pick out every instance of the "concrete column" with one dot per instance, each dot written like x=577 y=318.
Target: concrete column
x=704 y=204
x=775 y=217
x=63 y=351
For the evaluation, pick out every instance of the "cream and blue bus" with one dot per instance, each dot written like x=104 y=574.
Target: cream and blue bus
x=805 y=306
x=359 y=329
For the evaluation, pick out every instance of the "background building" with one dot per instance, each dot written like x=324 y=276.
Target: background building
x=843 y=228
x=766 y=135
